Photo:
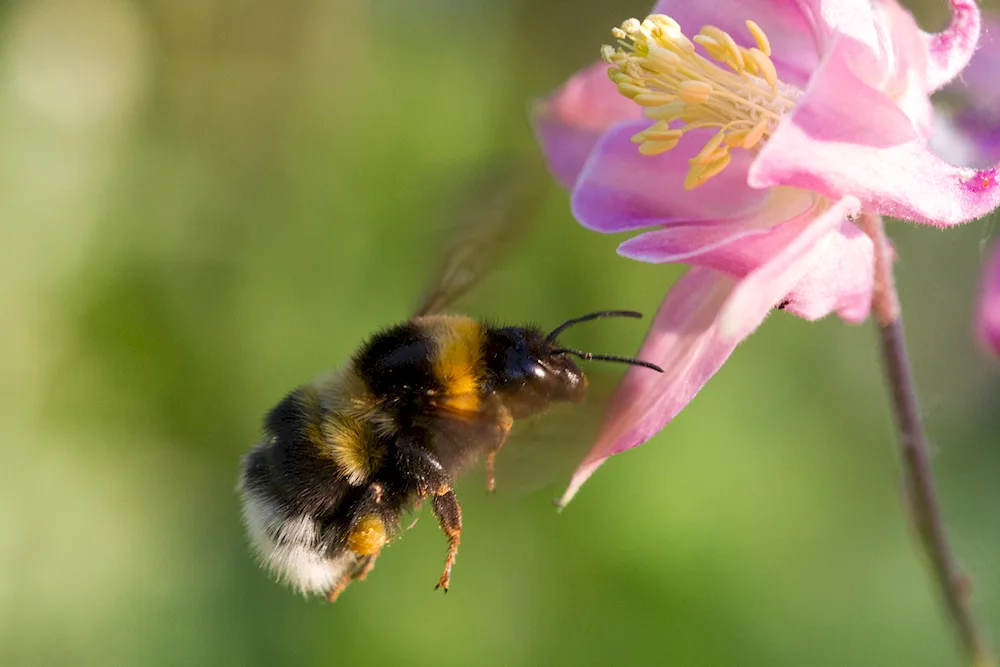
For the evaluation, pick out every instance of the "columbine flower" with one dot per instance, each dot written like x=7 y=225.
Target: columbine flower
x=749 y=147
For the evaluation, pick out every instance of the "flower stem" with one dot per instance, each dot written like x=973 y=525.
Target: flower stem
x=954 y=586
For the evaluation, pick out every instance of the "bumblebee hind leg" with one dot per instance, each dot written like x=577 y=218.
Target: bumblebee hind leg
x=357 y=573
x=335 y=592
x=449 y=516
x=366 y=539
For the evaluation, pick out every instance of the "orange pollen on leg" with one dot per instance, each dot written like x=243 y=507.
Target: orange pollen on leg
x=735 y=89
x=368 y=536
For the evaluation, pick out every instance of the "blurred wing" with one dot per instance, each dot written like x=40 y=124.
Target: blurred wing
x=496 y=210
x=543 y=451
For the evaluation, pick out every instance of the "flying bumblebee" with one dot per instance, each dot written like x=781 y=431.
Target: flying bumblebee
x=343 y=458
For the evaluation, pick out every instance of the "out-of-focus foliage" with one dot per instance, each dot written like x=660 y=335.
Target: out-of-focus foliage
x=205 y=202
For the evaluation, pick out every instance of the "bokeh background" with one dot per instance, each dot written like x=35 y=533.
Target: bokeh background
x=206 y=202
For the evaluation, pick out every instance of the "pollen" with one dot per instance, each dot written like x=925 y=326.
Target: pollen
x=733 y=89
x=368 y=536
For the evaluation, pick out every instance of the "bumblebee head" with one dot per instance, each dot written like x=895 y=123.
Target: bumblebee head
x=539 y=370
x=527 y=367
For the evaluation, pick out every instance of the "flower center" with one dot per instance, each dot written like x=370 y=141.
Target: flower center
x=658 y=68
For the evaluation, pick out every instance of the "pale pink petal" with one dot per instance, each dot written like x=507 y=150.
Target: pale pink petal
x=853 y=19
x=790 y=31
x=620 y=189
x=988 y=311
x=758 y=292
x=828 y=146
x=905 y=70
x=683 y=339
x=950 y=50
x=734 y=246
x=686 y=340
x=570 y=121
x=840 y=280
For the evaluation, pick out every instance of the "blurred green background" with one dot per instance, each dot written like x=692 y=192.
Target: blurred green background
x=206 y=202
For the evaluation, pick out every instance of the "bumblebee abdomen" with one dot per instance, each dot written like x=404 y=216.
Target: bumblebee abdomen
x=339 y=422
x=288 y=540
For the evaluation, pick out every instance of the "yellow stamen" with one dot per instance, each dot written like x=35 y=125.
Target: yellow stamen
x=734 y=90
x=710 y=170
x=656 y=147
x=652 y=99
x=726 y=44
x=694 y=92
x=753 y=136
x=762 y=42
x=658 y=132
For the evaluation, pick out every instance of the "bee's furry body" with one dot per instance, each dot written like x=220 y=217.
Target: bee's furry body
x=343 y=458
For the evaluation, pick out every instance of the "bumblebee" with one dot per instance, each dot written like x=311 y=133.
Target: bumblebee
x=345 y=457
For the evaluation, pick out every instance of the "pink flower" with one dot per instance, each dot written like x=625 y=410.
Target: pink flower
x=749 y=165
x=988 y=312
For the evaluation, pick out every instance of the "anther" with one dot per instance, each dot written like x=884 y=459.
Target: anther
x=758 y=35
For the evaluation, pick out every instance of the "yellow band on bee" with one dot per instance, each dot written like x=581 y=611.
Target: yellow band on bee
x=457 y=360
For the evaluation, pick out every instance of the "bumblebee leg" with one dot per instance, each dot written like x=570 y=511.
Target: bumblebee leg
x=506 y=422
x=491 y=480
x=449 y=516
x=367 y=565
x=335 y=592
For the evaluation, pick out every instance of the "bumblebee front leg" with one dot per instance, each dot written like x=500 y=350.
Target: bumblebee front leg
x=449 y=516
x=504 y=426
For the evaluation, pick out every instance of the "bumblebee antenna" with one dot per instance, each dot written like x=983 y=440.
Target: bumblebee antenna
x=608 y=357
x=592 y=316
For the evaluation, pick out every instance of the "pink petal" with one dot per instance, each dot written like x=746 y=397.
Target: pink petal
x=905 y=57
x=755 y=295
x=841 y=280
x=791 y=33
x=950 y=50
x=735 y=246
x=569 y=122
x=687 y=341
x=620 y=189
x=988 y=312
x=828 y=146
x=683 y=339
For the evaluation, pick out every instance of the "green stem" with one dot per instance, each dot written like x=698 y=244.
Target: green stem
x=953 y=585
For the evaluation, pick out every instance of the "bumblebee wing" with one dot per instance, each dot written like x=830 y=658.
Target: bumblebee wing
x=495 y=210
x=459 y=436
x=542 y=452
